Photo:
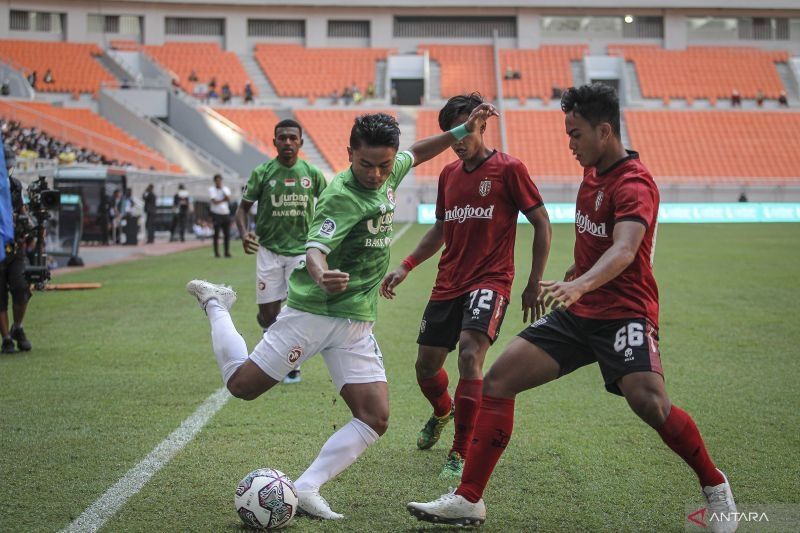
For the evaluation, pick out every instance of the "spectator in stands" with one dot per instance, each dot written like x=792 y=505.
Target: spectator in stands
x=220 y=197
x=48 y=77
x=512 y=74
x=783 y=101
x=335 y=97
x=200 y=91
x=555 y=94
x=149 y=199
x=32 y=79
x=742 y=197
x=212 y=83
x=211 y=94
x=736 y=99
x=347 y=96
x=193 y=76
x=248 y=93
x=180 y=213
x=760 y=98
x=226 y=93
x=370 y=90
x=5 y=89
x=357 y=96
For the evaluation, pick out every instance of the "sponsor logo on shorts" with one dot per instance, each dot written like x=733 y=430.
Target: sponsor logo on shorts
x=422 y=326
x=262 y=285
x=294 y=354
x=628 y=355
x=476 y=314
x=485 y=187
x=542 y=321
x=328 y=228
x=305 y=182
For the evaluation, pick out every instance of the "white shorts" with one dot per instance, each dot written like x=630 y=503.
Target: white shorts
x=348 y=347
x=272 y=275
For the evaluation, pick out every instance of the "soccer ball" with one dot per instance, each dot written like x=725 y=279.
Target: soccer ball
x=266 y=499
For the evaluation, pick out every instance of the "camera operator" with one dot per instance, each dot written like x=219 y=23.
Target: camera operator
x=12 y=269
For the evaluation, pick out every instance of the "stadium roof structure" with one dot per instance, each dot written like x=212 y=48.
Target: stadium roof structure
x=481 y=4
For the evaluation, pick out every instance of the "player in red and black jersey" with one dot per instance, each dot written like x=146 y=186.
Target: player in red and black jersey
x=479 y=199
x=605 y=311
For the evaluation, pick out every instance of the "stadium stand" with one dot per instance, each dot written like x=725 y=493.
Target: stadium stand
x=537 y=138
x=73 y=65
x=83 y=128
x=540 y=70
x=330 y=131
x=258 y=124
x=207 y=60
x=317 y=72
x=717 y=146
x=704 y=71
x=464 y=68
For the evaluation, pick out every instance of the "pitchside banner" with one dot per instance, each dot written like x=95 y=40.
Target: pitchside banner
x=562 y=213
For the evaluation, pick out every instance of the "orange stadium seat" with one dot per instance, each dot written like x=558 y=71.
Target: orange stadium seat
x=207 y=60
x=717 y=146
x=465 y=68
x=540 y=70
x=537 y=138
x=704 y=71
x=73 y=65
x=298 y=72
x=330 y=131
x=259 y=124
x=83 y=128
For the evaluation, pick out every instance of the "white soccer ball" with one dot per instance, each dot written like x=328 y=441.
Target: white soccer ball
x=266 y=499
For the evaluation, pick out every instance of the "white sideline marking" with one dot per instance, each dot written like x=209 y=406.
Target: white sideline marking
x=132 y=482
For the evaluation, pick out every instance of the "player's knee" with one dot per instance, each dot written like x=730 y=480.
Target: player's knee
x=650 y=406
x=379 y=422
x=470 y=362
x=241 y=390
x=494 y=385
x=425 y=368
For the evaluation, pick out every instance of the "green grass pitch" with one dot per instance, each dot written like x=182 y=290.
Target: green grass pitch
x=115 y=370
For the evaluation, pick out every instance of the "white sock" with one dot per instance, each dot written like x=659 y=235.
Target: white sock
x=229 y=347
x=340 y=451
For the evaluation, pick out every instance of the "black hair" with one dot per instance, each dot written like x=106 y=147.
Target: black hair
x=378 y=129
x=217 y=176
x=463 y=104
x=288 y=123
x=597 y=103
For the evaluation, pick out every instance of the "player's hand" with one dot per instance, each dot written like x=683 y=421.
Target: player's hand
x=392 y=280
x=559 y=294
x=333 y=281
x=569 y=275
x=531 y=302
x=479 y=116
x=250 y=243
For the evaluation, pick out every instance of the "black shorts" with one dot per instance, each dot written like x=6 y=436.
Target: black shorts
x=620 y=346
x=12 y=279
x=443 y=320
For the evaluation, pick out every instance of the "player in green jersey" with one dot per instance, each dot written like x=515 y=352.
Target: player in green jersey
x=285 y=188
x=332 y=301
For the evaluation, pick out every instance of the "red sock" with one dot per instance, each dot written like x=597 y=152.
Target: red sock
x=468 y=401
x=493 y=428
x=680 y=433
x=435 y=390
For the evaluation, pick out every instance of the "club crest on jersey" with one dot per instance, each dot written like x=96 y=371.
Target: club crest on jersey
x=289 y=182
x=485 y=187
x=390 y=195
x=598 y=201
x=328 y=228
x=294 y=354
x=305 y=182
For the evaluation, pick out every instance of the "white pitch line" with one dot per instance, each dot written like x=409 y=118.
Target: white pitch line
x=137 y=477
x=132 y=482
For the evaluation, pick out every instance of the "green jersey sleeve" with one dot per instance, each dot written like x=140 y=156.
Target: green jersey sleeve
x=403 y=162
x=253 y=190
x=319 y=181
x=334 y=217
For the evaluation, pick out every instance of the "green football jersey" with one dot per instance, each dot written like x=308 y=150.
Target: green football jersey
x=353 y=226
x=285 y=199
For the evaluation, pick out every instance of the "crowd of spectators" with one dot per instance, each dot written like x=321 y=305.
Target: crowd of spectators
x=33 y=143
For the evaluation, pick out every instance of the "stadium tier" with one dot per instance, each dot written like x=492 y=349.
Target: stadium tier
x=295 y=71
x=537 y=138
x=83 y=128
x=717 y=146
x=539 y=70
x=464 y=68
x=258 y=124
x=206 y=60
x=330 y=131
x=73 y=66
x=704 y=71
